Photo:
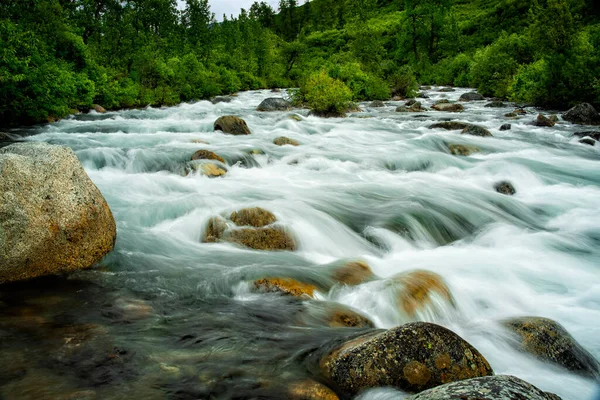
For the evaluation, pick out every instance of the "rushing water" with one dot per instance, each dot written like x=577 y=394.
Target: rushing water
x=177 y=316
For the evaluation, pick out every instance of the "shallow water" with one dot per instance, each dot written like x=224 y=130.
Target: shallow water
x=166 y=316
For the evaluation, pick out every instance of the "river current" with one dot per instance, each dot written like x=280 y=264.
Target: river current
x=178 y=317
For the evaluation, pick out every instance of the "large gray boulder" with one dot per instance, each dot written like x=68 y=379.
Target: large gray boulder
x=274 y=104
x=584 y=114
x=471 y=96
x=413 y=357
x=53 y=219
x=499 y=387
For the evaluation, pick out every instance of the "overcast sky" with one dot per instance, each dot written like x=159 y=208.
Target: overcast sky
x=229 y=7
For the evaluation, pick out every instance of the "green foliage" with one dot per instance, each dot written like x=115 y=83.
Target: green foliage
x=403 y=82
x=363 y=86
x=324 y=94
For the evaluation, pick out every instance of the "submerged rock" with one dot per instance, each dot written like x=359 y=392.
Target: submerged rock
x=588 y=141
x=283 y=141
x=462 y=150
x=412 y=357
x=449 y=107
x=256 y=217
x=584 y=114
x=310 y=390
x=285 y=286
x=410 y=103
x=353 y=273
x=377 y=103
x=449 y=125
x=333 y=315
x=511 y=115
x=54 y=219
x=418 y=289
x=401 y=109
x=232 y=125
x=498 y=387
x=592 y=134
x=541 y=120
x=221 y=99
x=506 y=127
x=476 y=131
x=472 y=96
x=550 y=341
x=215 y=228
x=212 y=170
x=274 y=104
x=495 y=104
x=268 y=238
x=443 y=101
x=207 y=155
x=327 y=114
x=505 y=187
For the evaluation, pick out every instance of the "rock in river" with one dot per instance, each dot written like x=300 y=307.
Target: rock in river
x=232 y=125
x=256 y=217
x=471 y=96
x=377 y=103
x=53 y=218
x=462 y=150
x=286 y=286
x=207 y=155
x=412 y=357
x=544 y=121
x=506 y=127
x=505 y=187
x=418 y=289
x=449 y=125
x=550 y=341
x=476 y=131
x=498 y=387
x=584 y=114
x=274 y=104
x=449 y=107
x=283 y=141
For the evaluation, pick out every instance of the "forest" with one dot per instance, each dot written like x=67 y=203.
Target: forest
x=61 y=56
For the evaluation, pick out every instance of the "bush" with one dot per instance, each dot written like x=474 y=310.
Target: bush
x=530 y=83
x=364 y=86
x=403 y=82
x=324 y=94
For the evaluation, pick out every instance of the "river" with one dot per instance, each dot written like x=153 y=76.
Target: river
x=178 y=316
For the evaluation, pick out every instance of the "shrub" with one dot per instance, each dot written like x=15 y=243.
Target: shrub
x=403 y=82
x=364 y=86
x=324 y=94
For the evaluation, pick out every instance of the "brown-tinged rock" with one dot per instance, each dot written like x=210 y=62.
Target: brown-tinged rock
x=215 y=228
x=449 y=107
x=353 y=273
x=283 y=141
x=232 y=125
x=418 y=288
x=286 y=286
x=462 y=150
x=310 y=390
x=476 y=131
x=449 y=125
x=267 y=238
x=256 y=217
x=207 y=155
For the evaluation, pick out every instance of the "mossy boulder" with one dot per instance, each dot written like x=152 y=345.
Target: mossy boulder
x=267 y=238
x=215 y=228
x=419 y=289
x=413 y=357
x=449 y=107
x=232 y=125
x=449 y=125
x=285 y=286
x=472 y=96
x=256 y=217
x=505 y=187
x=283 y=141
x=476 y=131
x=544 y=121
x=274 y=104
x=498 y=387
x=584 y=114
x=353 y=273
x=550 y=341
x=207 y=155
x=462 y=150
x=53 y=218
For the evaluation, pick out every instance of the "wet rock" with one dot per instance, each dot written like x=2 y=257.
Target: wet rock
x=449 y=125
x=256 y=217
x=520 y=111
x=212 y=170
x=353 y=273
x=377 y=103
x=346 y=318
x=498 y=387
x=327 y=114
x=447 y=90
x=232 y=125
x=221 y=99
x=214 y=230
x=550 y=341
x=462 y=150
x=285 y=286
x=333 y=315
x=505 y=187
x=54 y=219
x=401 y=109
x=310 y=390
x=449 y=107
x=127 y=310
x=495 y=104
x=443 y=101
x=274 y=104
x=207 y=155
x=476 y=131
x=269 y=238
x=198 y=141
x=544 y=121
x=410 y=103
x=472 y=96
x=98 y=108
x=422 y=95
x=295 y=117
x=506 y=127
x=584 y=114
x=593 y=134
x=418 y=289
x=588 y=141
x=416 y=107
x=412 y=357
x=282 y=141
x=511 y=115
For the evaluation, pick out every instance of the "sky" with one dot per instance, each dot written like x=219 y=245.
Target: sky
x=220 y=7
